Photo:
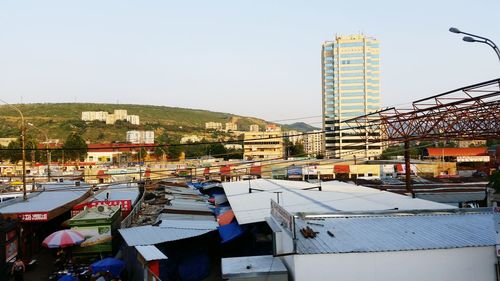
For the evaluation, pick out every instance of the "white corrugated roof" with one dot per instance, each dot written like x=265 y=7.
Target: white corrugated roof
x=170 y=230
x=150 y=253
x=356 y=234
x=119 y=192
x=252 y=266
x=54 y=196
x=336 y=196
x=189 y=224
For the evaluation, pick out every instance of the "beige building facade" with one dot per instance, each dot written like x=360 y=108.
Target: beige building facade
x=263 y=145
x=313 y=143
x=213 y=126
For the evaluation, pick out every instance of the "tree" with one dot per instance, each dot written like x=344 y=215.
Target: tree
x=495 y=181
x=74 y=147
x=297 y=150
x=172 y=151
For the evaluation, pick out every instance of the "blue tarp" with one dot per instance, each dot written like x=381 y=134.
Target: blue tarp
x=196 y=185
x=111 y=265
x=67 y=278
x=230 y=232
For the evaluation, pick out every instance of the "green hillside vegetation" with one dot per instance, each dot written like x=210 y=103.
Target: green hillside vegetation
x=61 y=119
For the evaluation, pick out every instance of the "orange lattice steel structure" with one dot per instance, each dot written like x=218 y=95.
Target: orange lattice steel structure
x=471 y=112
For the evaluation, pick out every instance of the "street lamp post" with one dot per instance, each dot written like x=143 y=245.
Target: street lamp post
x=23 y=148
x=46 y=149
x=477 y=38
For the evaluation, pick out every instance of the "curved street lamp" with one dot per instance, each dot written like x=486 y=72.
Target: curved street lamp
x=476 y=38
x=46 y=148
x=23 y=148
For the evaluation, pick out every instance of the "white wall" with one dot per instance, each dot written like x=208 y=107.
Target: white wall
x=475 y=263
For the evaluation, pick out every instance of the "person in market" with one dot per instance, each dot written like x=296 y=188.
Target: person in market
x=18 y=269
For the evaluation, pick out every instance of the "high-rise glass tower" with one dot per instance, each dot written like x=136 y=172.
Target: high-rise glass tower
x=350 y=88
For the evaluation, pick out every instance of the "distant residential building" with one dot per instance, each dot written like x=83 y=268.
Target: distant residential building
x=233 y=146
x=120 y=114
x=254 y=128
x=313 y=143
x=110 y=152
x=104 y=116
x=294 y=136
x=147 y=137
x=133 y=119
x=213 y=126
x=191 y=138
x=94 y=116
x=6 y=141
x=471 y=143
x=350 y=88
x=273 y=128
x=263 y=145
x=231 y=127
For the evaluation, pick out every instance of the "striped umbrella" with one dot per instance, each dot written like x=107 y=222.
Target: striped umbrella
x=63 y=238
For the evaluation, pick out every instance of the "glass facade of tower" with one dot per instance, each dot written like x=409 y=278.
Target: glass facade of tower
x=350 y=87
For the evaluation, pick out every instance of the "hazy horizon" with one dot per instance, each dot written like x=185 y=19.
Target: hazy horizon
x=259 y=59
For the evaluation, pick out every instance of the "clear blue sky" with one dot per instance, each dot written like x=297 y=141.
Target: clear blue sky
x=253 y=58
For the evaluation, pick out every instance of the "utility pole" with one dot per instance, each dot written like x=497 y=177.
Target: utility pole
x=23 y=146
x=409 y=188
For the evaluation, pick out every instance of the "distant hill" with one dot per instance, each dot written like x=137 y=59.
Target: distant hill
x=299 y=126
x=60 y=119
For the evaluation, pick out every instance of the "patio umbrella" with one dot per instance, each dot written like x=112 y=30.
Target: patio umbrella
x=63 y=238
x=111 y=265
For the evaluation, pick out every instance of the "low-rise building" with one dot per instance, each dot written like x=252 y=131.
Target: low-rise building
x=217 y=126
x=6 y=141
x=110 y=118
x=95 y=116
x=231 y=127
x=190 y=138
x=471 y=143
x=133 y=119
x=263 y=145
x=120 y=114
x=233 y=146
x=254 y=128
x=147 y=137
x=273 y=128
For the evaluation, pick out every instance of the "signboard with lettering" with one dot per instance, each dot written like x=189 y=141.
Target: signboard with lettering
x=34 y=216
x=126 y=205
x=473 y=159
x=496 y=220
x=282 y=215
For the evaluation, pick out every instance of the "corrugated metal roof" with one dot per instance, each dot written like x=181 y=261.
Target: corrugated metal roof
x=150 y=253
x=252 y=266
x=54 y=196
x=189 y=224
x=452 y=197
x=188 y=205
x=170 y=216
x=359 y=234
x=150 y=235
x=336 y=196
x=119 y=192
